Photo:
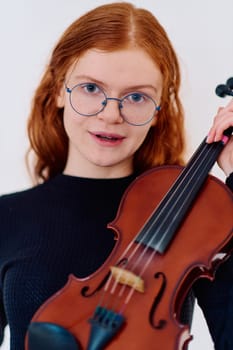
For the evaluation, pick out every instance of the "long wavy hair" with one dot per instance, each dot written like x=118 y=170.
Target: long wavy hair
x=108 y=27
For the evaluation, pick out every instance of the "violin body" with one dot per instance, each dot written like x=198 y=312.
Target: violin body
x=151 y=317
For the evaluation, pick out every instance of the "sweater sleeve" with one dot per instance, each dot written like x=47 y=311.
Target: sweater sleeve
x=3 y=321
x=216 y=300
x=229 y=181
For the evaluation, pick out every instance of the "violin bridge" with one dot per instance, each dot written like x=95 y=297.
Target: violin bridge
x=128 y=278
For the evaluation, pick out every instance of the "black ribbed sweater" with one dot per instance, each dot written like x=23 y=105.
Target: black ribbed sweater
x=48 y=232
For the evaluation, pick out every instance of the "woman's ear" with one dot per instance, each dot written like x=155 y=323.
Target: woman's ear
x=61 y=97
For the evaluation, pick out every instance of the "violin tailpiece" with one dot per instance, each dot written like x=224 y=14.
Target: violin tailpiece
x=104 y=325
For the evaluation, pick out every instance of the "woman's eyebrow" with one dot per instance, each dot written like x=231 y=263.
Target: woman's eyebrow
x=142 y=86
x=88 y=78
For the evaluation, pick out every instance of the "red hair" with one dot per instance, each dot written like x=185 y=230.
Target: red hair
x=109 y=27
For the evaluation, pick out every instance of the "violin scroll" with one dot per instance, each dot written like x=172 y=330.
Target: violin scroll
x=223 y=90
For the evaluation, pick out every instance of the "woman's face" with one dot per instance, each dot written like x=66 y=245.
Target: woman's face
x=103 y=145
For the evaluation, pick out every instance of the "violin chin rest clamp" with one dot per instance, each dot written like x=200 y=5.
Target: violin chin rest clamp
x=50 y=336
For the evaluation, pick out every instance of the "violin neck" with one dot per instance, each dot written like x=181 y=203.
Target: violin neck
x=160 y=229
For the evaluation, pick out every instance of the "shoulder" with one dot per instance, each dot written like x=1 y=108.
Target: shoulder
x=22 y=198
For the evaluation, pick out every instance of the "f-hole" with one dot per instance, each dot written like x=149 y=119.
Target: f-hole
x=85 y=290
x=160 y=324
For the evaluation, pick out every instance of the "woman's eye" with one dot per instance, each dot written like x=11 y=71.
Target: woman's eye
x=136 y=98
x=91 y=88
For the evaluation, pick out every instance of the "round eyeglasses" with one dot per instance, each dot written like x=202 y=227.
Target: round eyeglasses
x=88 y=99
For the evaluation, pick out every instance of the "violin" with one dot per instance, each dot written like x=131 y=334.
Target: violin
x=134 y=300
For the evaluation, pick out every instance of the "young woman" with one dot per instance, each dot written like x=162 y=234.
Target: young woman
x=107 y=109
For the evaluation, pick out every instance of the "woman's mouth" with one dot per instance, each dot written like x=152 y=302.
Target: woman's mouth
x=107 y=138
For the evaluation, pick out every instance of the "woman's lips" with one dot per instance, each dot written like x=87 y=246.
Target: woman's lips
x=105 y=138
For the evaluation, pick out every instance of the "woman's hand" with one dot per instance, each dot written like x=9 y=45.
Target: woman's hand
x=222 y=121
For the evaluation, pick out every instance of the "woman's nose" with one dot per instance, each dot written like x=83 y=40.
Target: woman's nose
x=111 y=111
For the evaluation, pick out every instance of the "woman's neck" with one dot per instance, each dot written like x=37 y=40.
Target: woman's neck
x=98 y=171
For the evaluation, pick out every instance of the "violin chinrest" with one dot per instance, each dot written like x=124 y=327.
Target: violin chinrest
x=49 y=336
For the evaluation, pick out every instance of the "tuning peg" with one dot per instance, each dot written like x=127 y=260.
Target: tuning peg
x=223 y=90
x=230 y=83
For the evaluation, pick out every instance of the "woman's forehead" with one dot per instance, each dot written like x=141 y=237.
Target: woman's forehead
x=132 y=66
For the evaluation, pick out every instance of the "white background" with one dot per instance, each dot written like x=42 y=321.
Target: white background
x=200 y=30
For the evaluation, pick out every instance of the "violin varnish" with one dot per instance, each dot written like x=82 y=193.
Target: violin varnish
x=128 y=278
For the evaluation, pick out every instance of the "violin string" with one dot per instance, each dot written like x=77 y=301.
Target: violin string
x=118 y=303
x=173 y=194
x=146 y=248
x=133 y=253
x=182 y=192
x=116 y=283
x=111 y=279
x=147 y=232
x=123 y=303
x=132 y=290
x=183 y=182
x=184 y=195
x=184 y=185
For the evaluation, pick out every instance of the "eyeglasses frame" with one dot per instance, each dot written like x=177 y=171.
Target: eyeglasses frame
x=104 y=103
